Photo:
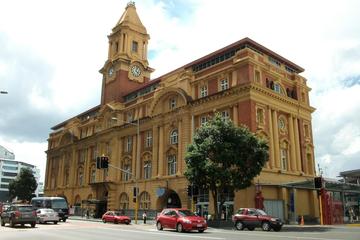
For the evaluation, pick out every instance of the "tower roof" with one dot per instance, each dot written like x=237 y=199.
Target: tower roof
x=130 y=19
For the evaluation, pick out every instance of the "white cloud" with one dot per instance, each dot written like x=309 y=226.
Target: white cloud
x=68 y=39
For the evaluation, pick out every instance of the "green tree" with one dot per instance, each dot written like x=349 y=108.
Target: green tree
x=23 y=186
x=224 y=158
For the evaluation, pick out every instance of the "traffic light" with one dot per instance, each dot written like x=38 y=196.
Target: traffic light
x=104 y=162
x=318 y=182
x=135 y=193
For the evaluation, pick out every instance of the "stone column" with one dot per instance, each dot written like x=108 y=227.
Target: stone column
x=271 y=141
x=155 y=149
x=235 y=115
x=119 y=157
x=133 y=158
x=297 y=145
x=179 y=149
x=292 y=144
x=161 y=151
x=234 y=79
x=138 y=156
x=276 y=139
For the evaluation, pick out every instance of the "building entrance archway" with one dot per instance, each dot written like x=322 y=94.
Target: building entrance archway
x=170 y=199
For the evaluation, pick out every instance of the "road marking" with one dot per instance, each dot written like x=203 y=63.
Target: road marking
x=169 y=234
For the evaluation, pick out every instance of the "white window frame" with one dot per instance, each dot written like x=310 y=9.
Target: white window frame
x=147 y=169
x=203 y=120
x=203 y=91
x=277 y=87
x=148 y=142
x=224 y=84
x=225 y=114
x=128 y=144
x=172 y=164
x=127 y=174
x=284 y=158
x=174 y=136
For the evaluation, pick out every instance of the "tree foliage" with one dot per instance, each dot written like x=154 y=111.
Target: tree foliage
x=224 y=158
x=23 y=186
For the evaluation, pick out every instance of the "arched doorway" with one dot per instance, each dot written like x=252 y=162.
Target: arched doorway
x=170 y=199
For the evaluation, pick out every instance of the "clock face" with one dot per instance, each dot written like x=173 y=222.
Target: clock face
x=135 y=71
x=111 y=71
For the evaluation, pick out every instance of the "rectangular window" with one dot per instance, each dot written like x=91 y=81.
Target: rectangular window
x=128 y=144
x=274 y=61
x=10 y=168
x=148 y=142
x=225 y=114
x=277 y=88
x=172 y=165
x=134 y=46
x=203 y=91
x=224 y=84
x=9 y=174
x=127 y=173
x=129 y=117
x=283 y=159
x=257 y=76
x=203 y=120
x=147 y=170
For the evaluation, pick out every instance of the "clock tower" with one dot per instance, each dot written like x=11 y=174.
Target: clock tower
x=127 y=67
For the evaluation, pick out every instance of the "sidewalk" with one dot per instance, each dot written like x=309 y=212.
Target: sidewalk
x=140 y=221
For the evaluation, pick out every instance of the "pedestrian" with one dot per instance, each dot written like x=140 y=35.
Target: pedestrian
x=144 y=217
x=351 y=215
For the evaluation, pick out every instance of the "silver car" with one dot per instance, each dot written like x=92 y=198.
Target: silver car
x=45 y=215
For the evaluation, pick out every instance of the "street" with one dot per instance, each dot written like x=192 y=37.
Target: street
x=76 y=229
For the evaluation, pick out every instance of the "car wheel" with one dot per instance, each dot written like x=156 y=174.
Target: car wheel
x=239 y=225
x=159 y=226
x=55 y=222
x=2 y=222
x=33 y=224
x=265 y=226
x=179 y=227
x=251 y=228
x=64 y=219
x=22 y=225
x=11 y=222
x=201 y=231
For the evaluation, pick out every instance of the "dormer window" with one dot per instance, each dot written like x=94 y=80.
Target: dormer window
x=277 y=88
x=134 y=46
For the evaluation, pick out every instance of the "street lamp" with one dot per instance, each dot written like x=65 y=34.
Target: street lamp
x=137 y=124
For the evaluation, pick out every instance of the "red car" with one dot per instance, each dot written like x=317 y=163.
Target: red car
x=115 y=217
x=251 y=218
x=181 y=220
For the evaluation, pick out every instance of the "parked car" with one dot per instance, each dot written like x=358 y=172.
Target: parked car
x=19 y=214
x=181 y=220
x=251 y=218
x=115 y=217
x=45 y=215
x=58 y=204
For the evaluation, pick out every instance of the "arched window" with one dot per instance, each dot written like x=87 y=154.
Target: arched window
x=284 y=155
x=147 y=169
x=80 y=176
x=174 y=136
x=123 y=201
x=145 y=200
x=171 y=164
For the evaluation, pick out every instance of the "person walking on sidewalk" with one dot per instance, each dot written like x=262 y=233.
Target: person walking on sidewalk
x=144 y=217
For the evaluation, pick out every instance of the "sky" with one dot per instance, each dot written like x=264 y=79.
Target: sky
x=51 y=53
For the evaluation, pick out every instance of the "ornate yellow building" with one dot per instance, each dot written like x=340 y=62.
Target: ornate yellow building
x=144 y=126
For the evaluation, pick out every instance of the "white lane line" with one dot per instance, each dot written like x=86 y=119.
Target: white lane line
x=169 y=234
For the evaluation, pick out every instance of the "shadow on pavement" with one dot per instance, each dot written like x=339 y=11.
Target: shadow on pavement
x=305 y=229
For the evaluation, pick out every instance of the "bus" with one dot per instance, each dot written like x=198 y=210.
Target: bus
x=58 y=204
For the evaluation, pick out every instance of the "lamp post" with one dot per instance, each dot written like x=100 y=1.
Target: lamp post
x=137 y=124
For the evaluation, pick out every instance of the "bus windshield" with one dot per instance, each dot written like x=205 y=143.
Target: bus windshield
x=59 y=203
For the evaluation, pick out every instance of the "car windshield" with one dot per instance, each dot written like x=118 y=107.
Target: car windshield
x=59 y=203
x=186 y=213
x=261 y=212
x=48 y=210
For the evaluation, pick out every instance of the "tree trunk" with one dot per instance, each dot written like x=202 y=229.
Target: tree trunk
x=214 y=194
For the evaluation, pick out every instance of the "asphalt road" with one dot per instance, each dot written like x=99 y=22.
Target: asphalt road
x=75 y=230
